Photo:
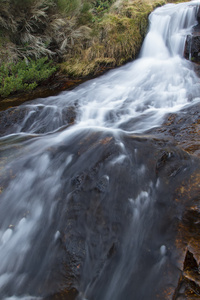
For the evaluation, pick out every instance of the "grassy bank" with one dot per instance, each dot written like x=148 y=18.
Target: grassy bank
x=115 y=39
x=81 y=37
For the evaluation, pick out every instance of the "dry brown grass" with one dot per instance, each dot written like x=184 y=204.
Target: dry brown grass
x=118 y=39
x=38 y=30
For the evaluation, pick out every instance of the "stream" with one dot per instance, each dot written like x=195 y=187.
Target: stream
x=86 y=196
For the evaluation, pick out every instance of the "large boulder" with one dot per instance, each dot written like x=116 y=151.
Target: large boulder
x=116 y=206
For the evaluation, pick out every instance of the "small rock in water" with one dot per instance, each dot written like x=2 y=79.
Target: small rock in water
x=11 y=226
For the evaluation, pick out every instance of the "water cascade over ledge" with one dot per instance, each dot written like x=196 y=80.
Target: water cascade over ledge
x=87 y=197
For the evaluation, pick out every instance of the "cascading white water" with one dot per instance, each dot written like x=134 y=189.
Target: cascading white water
x=168 y=31
x=133 y=98
x=140 y=92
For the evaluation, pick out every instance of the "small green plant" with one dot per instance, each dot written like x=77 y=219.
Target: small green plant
x=24 y=75
x=102 y=6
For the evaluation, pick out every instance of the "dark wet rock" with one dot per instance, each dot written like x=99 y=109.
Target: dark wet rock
x=69 y=115
x=103 y=184
x=99 y=213
x=35 y=119
x=10 y=119
x=188 y=239
x=64 y=295
x=192 y=49
x=189 y=282
x=196 y=67
x=102 y=190
x=183 y=128
x=163 y=160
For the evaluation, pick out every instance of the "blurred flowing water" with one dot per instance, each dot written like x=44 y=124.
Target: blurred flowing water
x=41 y=166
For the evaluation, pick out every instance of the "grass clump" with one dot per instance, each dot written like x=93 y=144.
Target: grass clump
x=116 y=37
x=24 y=75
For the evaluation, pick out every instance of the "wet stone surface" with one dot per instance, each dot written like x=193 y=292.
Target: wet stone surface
x=182 y=128
x=188 y=240
x=35 y=119
x=108 y=184
x=192 y=46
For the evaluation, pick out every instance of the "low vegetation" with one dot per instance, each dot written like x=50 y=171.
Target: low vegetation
x=80 y=36
x=24 y=75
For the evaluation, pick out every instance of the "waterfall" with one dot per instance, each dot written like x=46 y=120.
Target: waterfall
x=41 y=160
x=168 y=30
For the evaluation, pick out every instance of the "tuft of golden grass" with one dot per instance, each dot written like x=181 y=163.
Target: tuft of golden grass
x=117 y=39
